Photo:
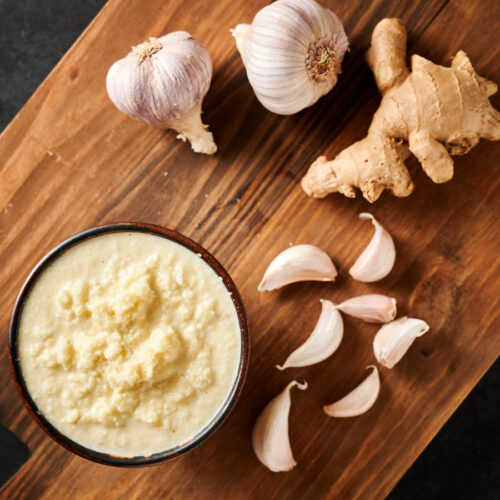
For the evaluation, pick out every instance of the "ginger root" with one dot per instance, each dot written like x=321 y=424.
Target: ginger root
x=433 y=112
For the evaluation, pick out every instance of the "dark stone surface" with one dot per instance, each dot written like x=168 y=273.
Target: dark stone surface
x=462 y=462
x=13 y=454
x=34 y=35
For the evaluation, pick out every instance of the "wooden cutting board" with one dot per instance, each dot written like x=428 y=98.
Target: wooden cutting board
x=70 y=160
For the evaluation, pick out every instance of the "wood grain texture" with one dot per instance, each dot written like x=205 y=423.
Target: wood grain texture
x=70 y=160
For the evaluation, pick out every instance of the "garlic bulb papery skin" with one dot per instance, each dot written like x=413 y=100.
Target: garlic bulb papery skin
x=270 y=439
x=359 y=400
x=395 y=338
x=298 y=263
x=292 y=53
x=323 y=341
x=162 y=83
x=377 y=259
x=372 y=308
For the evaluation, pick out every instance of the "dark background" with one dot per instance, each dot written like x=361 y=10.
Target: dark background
x=462 y=462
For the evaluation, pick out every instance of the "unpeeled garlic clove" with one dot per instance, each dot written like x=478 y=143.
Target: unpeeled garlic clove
x=270 y=439
x=372 y=308
x=359 y=400
x=395 y=338
x=323 y=341
x=298 y=263
x=378 y=257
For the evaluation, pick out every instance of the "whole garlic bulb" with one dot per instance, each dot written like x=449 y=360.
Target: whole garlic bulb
x=292 y=52
x=162 y=83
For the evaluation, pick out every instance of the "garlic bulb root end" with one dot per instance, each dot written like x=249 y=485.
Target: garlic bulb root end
x=145 y=50
x=324 y=58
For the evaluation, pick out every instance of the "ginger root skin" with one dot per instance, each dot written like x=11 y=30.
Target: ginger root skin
x=433 y=112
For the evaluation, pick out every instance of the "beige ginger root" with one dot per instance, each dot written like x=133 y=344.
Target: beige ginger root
x=433 y=112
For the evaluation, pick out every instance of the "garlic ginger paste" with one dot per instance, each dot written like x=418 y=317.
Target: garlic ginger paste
x=129 y=343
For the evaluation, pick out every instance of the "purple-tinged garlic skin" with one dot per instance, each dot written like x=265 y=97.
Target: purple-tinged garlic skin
x=292 y=53
x=270 y=439
x=359 y=400
x=298 y=263
x=372 y=308
x=377 y=259
x=394 y=339
x=162 y=83
x=323 y=341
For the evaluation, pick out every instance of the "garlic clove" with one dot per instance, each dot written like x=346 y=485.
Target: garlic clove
x=298 y=263
x=323 y=341
x=270 y=439
x=377 y=259
x=359 y=400
x=292 y=52
x=395 y=338
x=162 y=82
x=372 y=308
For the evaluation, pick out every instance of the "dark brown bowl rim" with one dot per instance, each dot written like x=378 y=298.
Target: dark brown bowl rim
x=223 y=411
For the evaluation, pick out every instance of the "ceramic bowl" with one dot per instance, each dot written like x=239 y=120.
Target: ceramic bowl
x=218 y=418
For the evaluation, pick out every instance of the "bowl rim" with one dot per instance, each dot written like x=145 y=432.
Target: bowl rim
x=222 y=413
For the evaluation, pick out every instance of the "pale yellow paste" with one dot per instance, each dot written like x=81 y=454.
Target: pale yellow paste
x=129 y=343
